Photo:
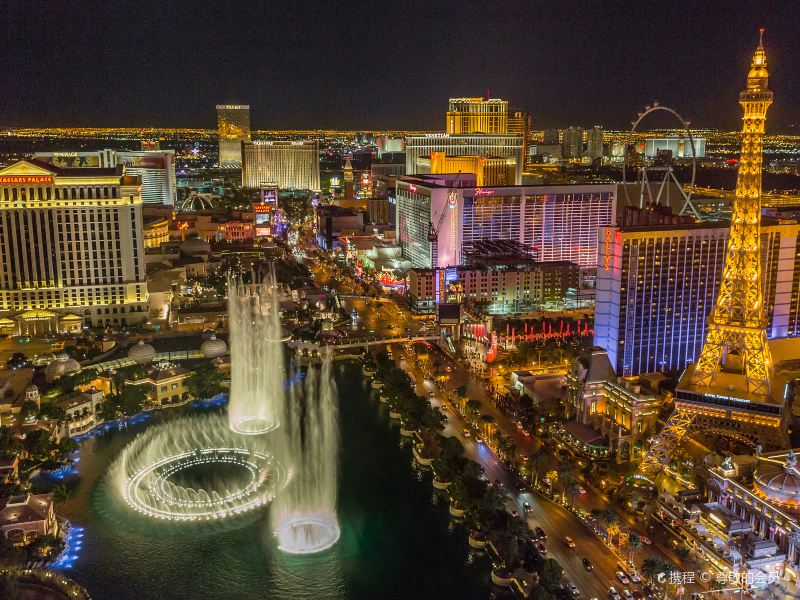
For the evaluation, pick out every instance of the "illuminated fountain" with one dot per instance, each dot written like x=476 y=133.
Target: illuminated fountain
x=257 y=397
x=196 y=468
x=304 y=515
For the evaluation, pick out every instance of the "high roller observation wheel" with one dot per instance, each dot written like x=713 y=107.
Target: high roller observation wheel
x=641 y=116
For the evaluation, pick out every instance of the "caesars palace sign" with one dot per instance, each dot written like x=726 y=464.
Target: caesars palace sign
x=24 y=179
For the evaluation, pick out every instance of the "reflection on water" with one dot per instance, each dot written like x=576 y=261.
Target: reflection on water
x=395 y=543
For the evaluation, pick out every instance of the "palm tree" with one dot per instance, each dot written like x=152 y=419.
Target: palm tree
x=634 y=544
x=472 y=409
x=535 y=461
x=487 y=422
x=651 y=567
x=571 y=487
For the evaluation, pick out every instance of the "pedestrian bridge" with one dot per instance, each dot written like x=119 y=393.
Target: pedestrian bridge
x=302 y=348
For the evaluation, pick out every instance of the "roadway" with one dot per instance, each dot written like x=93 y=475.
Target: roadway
x=555 y=520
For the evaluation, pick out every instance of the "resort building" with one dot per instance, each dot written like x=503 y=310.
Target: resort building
x=26 y=517
x=233 y=127
x=656 y=286
x=285 y=164
x=156 y=232
x=438 y=214
x=91 y=221
x=165 y=384
x=488 y=170
x=750 y=518
x=477 y=115
x=613 y=416
x=475 y=144
x=498 y=289
x=83 y=411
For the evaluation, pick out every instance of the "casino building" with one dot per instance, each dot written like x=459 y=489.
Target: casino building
x=438 y=214
x=656 y=286
x=287 y=164
x=71 y=248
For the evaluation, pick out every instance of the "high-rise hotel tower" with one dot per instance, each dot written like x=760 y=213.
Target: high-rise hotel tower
x=477 y=115
x=71 y=248
x=233 y=127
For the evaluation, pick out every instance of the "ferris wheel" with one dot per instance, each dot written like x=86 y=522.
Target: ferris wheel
x=654 y=174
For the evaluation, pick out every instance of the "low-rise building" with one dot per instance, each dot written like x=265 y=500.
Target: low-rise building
x=83 y=411
x=500 y=289
x=165 y=384
x=750 y=520
x=26 y=517
x=622 y=410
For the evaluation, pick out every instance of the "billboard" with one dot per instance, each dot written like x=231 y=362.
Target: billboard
x=71 y=160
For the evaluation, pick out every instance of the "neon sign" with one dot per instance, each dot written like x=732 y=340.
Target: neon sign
x=412 y=188
x=606 y=258
x=452 y=199
x=483 y=192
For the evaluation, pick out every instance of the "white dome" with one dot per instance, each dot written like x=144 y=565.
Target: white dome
x=213 y=347
x=62 y=365
x=142 y=353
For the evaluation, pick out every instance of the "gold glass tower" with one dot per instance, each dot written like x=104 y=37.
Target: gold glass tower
x=727 y=391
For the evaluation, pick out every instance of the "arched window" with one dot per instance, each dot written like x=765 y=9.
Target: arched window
x=49 y=193
x=97 y=192
x=74 y=193
x=105 y=192
x=113 y=192
x=81 y=193
x=14 y=194
x=5 y=194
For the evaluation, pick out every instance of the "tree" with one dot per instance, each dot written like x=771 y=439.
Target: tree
x=571 y=487
x=38 y=444
x=634 y=544
x=487 y=424
x=51 y=411
x=29 y=409
x=550 y=574
x=535 y=461
x=473 y=407
x=540 y=593
x=205 y=382
x=61 y=492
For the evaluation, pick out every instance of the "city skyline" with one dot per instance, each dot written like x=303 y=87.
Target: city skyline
x=567 y=66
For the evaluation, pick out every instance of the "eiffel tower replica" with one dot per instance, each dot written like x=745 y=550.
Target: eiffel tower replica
x=728 y=392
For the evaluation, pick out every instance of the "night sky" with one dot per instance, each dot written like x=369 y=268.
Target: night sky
x=344 y=64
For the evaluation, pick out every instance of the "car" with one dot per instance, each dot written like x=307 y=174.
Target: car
x=587 y=564
x=540 y=547
x=466 y=432
x=540 y=534
x=626 y=593
x=648 y=592
x=582 y=491
x=574 y=589
x=569 y=542
x=445 y=419
x=613 y=594
x=645 y=540
x=526 y=508
x=513 y=512
x=634 y=576
x=623 y=579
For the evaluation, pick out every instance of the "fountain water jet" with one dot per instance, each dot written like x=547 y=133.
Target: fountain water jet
x=305 y=513
x=257 y=396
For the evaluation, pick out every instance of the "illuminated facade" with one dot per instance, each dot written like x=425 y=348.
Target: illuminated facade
x=496 y=145
x=620 y=409
x=71 y=246
x=477 y=115
x=233 y=127
x=155 y=232
x=155 y=168
x=572 y=144
x=519 y=123
x=679 y=146
x=656 y=286
x=436 y=214
x=503 y=290
x=594 y=142
x=290 y=165
x=488 y=171
x=728 y=389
